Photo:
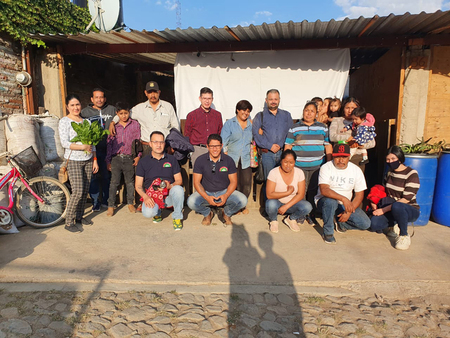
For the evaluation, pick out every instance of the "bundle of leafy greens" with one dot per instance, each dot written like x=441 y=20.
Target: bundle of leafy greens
x=88 y=133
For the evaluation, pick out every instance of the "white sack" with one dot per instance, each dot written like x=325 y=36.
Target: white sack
x=22 y=131
x=50 y=138
x=299 y=75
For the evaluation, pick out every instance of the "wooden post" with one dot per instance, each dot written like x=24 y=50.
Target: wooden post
x=62 y=78
x=400 y=95
x=29 y=89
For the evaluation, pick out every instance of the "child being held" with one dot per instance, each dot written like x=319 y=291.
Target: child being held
x=333 y=110
x=119 y=158
x=363 y=131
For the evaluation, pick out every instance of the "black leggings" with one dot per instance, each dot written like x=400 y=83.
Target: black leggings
x=244 y=179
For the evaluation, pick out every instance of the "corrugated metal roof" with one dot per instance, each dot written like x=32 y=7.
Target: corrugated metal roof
x=417 y=25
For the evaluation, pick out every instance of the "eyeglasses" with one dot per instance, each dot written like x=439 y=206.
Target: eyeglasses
x=213 y=169
x=158 y=142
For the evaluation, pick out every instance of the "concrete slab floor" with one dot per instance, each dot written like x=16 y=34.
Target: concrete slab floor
x=128 y=252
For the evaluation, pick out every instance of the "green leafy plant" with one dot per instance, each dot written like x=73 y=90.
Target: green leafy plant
x=88 y=133
x=424 y=147
x=20 y=18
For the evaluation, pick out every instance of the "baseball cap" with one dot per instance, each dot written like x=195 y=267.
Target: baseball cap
x=152 y=85
x=341 y=149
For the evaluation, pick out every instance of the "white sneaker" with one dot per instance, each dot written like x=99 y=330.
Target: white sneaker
x=292 y=224
x=403 y=242
x=393 y=232
x=273 y=226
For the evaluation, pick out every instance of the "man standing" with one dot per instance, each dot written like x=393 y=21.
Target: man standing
x=215 y=181
x=337 y=181
x=165 y=170
x=153 y=115
x=270 y=135
x=202 y=122
x=99 y=110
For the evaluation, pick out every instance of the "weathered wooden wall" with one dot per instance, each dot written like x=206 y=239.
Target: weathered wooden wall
x=377 y=88
x=377 y=85
x=438 y=105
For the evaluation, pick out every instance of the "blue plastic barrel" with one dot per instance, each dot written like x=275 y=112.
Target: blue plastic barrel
x=426 y=166
x=441 y=201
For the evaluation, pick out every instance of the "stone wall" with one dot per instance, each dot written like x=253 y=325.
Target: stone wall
x=10 y=92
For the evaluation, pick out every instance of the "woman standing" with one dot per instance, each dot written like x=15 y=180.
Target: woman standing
x=402 y=184
x=285 y=189
x=82 y=163
x=237 y=138
x=309 y=139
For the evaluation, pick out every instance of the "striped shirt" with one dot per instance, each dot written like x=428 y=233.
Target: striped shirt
x=308 y=143
x=403 y=184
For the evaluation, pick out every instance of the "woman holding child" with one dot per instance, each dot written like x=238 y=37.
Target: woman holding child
x=82 y=162
x=337 y=132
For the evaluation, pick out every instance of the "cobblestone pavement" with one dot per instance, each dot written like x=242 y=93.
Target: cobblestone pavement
x=152 y=314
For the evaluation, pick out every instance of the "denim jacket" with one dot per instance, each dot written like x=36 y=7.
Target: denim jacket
x=236 y=141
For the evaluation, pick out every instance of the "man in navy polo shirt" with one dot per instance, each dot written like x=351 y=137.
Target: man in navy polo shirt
x=165 y=167
x=215 y=181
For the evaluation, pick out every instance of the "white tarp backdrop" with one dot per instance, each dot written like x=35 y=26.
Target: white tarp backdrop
x=298 y=75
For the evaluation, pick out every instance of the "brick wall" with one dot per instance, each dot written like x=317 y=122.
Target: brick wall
x=10 y=91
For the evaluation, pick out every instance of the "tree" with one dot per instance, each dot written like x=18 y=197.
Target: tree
x=20 y=18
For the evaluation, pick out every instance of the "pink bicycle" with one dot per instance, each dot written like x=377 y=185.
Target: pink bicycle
x=39 y=201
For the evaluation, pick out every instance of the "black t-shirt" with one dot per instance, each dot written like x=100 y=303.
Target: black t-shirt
x=150 y=169
x=215 y=178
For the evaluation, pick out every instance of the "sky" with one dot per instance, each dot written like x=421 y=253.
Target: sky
x=162 y=14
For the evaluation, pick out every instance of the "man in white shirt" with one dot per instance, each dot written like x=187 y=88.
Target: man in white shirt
x=153 y=115
x=338 y=179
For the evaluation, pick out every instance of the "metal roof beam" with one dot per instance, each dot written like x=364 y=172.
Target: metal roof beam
x=221 y=46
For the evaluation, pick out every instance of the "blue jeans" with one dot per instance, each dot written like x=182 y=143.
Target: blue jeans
x=298 y=210
x=331 y=208
x=400 y=213
x=175 y=199
x=103 y=178
x=269 y=161
x=235 y=202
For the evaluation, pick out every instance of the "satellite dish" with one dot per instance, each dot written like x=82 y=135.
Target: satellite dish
x=105 y=14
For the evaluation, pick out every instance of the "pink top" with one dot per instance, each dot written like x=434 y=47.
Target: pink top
x=280 y=186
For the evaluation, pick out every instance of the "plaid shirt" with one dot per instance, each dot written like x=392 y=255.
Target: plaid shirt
x=201 y=124
x=121 y=143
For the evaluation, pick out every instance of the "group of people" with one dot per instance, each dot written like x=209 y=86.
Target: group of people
x=308 y=165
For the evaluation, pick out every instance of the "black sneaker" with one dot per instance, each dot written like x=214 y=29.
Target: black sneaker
x=329 y=239
x=338 y=228
x=72 y=228
x=84 y=221
x=364 y=162
x=309 y=220
x=96 y=207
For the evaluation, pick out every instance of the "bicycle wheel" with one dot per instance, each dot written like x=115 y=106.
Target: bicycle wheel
x=47 y=214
